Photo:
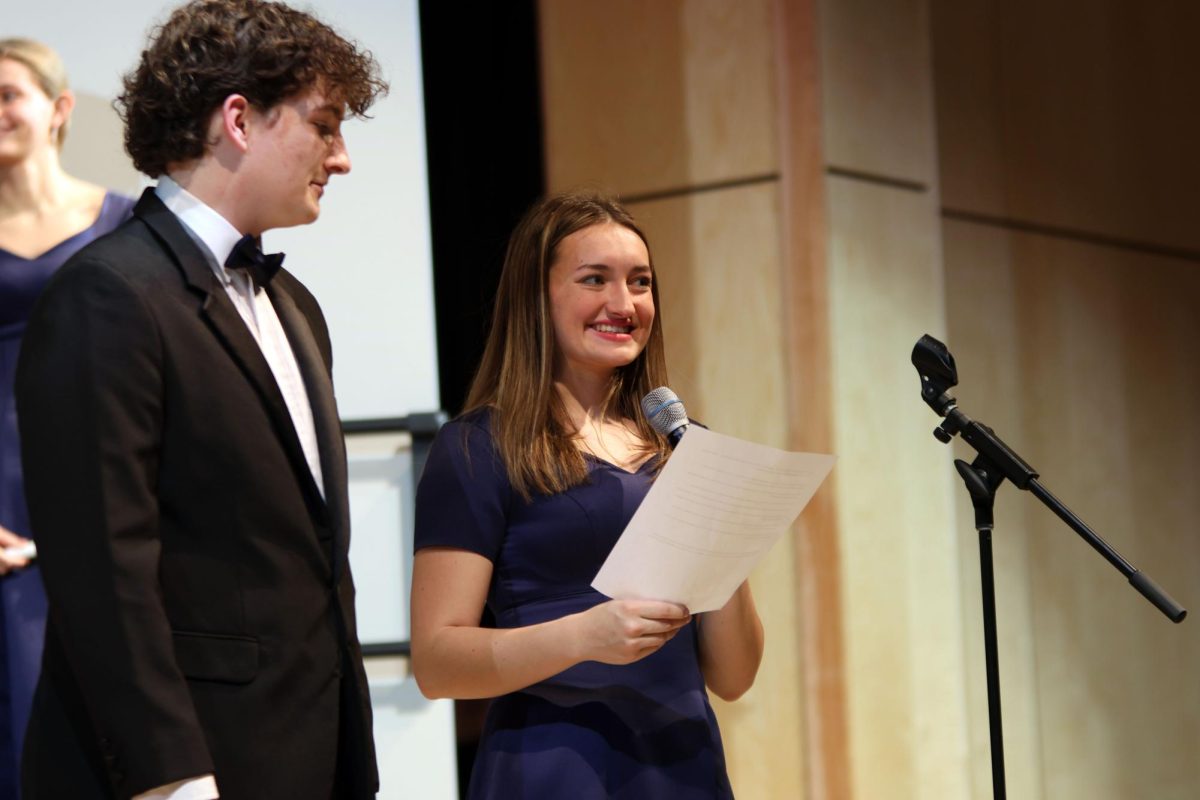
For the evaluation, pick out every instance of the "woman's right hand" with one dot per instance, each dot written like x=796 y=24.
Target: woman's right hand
x=625 y=631
x=9 y=563
x=454 y=656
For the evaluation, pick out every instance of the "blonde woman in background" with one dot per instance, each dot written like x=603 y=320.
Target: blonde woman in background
x=45 y=216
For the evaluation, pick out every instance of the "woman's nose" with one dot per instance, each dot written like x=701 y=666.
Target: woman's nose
x=620 y=301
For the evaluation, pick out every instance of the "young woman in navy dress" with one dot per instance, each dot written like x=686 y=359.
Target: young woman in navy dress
x=523 y=497
x=45 y=216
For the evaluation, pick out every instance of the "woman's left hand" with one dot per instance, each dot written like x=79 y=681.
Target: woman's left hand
x=731 y=645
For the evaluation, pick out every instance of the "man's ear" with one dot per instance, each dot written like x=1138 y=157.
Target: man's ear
x=230 y=121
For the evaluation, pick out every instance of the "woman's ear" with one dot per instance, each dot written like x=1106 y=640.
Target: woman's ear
x=64 y=104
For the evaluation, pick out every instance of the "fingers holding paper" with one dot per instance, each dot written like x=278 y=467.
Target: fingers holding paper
x=625 y=631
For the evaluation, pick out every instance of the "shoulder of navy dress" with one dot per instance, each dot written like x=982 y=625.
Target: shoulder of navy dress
x=466 y=441
x=464 y=495
x=116 y=209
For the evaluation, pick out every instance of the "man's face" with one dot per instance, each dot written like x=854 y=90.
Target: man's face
x=292 y=150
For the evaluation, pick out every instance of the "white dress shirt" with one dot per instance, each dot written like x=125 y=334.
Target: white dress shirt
x=215 y=234
x=218 y=236
x=203 y=788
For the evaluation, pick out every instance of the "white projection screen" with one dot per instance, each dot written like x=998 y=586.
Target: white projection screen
x=368 y=258
x=368 y=262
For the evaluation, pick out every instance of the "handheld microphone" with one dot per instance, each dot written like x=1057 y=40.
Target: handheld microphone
x=666 y=414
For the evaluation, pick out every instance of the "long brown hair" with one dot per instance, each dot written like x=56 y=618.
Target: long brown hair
x=515 y=379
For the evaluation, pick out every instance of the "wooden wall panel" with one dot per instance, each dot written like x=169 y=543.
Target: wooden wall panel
x=983 y=336
x=899 y=548
x=808 y=346
x=607 y=123
x=970 y=124
x=1071 y=114
x=647 y=97
x=1084 y=359
x=877 y=99
x=718 y=260
x=1104 y=653
x=729 y=84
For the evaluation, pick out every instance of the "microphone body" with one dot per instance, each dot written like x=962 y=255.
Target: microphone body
x=666 y=414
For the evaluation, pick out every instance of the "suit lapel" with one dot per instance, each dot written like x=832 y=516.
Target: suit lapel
x=217 y=309
x=326 y=421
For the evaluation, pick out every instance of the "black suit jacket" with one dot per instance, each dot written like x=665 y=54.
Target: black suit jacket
x=201 y=607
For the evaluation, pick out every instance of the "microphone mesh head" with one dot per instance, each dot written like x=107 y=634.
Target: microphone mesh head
x=664 y=410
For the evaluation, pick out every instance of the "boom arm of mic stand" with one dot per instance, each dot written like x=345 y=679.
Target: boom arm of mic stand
x=1023 y=476
x=1140 y=580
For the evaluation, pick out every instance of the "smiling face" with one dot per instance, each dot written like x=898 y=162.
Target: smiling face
x=601 y=305
x=27 y=116
x=292 y=151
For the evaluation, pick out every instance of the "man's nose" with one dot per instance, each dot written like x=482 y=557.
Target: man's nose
x=339 y=158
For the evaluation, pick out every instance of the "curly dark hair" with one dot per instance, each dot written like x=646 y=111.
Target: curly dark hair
x=210 y=49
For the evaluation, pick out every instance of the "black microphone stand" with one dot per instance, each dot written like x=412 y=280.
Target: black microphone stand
x=995 y=462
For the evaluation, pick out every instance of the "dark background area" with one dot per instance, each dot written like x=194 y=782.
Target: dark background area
x=483 y=130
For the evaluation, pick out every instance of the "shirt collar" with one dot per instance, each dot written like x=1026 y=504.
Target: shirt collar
x=206 y=225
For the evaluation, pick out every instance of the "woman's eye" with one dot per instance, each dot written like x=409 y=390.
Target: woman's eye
x=592 y=280
x=643 y=282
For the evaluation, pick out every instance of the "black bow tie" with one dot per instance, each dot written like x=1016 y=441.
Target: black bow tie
x=247 y=254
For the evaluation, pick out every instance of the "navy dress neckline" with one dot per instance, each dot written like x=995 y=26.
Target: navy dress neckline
x=111 y=203
x=604 y=462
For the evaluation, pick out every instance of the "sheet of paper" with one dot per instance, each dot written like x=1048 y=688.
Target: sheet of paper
x=714 y=512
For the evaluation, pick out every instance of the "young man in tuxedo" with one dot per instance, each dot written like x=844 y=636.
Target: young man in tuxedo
x=183 y=456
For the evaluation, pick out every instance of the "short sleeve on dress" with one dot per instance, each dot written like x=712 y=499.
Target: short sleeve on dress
x=463 y=496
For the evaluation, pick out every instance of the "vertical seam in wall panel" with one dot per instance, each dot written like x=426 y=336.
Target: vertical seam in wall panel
x=805 y=286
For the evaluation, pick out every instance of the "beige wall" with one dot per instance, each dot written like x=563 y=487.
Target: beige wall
x=93 y=148
x=1069 y=181
x=900 y=552
x=1072 y=114
x=1079 y=353
x=823 y=181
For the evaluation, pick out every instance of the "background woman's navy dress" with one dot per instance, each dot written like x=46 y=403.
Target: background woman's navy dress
x=22 y=600
x=594 y=731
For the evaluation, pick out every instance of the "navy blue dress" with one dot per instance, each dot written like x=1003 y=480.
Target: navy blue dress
x=594 y=731
x=22 y=599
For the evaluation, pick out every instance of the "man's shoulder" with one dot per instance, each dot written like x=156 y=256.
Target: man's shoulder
x=295 y=289
x=130 y=253
x=304 y=300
